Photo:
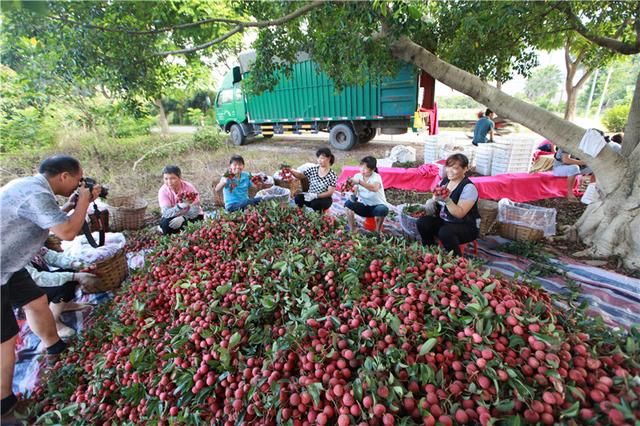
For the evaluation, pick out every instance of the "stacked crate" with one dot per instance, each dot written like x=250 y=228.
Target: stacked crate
x=431 y=150
x=513 y=156
x=484 y=156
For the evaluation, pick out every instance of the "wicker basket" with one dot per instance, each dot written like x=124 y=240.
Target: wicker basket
x=218 y=196
x=127 y=213
x=409 y=224
x=277 y=193
x=112 y=272
x=294 y=186
x=488 y=214
x=520 y=233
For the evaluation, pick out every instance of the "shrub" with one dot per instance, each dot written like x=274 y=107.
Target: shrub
x=26 y=128
x=209 y=136
x=615 y=118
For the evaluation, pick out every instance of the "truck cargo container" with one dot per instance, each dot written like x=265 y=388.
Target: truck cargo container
x=307 y=101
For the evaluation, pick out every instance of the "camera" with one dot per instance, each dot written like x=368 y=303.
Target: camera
x=89 y=184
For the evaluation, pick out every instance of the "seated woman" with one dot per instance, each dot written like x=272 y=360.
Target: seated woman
x=57 y=275
x=565 y=165
x=369 y=199
x=322 y=182
x=179 y=201
x=456 y=215
x=235 y=185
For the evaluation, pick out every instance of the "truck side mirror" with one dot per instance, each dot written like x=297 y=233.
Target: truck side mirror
x=237 y=76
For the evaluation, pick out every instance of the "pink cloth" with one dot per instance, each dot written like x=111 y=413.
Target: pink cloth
x=408 y=179
x=428 y=170
x=518 y=187
x=167 y=198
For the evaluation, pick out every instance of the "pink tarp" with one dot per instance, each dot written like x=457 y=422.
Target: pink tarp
x=518 y=187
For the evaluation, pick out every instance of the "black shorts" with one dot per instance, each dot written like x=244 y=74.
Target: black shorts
x=17 y=292
x=62 y=293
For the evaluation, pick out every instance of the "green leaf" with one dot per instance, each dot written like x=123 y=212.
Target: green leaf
x=223 y=289
x=234 y=340
x=427 y=346
x=314 y=390
x=571 y=411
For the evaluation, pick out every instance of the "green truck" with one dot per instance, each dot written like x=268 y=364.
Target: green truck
x=308 y=102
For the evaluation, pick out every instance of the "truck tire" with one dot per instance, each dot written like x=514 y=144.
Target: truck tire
x=342 y=137
x=236 y=135
x=366 y=135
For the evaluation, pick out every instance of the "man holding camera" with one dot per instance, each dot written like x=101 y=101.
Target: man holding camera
x=29 y=210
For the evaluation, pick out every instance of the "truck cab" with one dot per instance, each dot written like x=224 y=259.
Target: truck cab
x=231 y=111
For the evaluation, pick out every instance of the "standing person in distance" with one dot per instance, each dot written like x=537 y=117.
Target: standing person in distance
x=484 y=126
x=29 y=210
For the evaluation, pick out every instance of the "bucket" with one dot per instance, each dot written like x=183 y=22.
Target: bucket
x=370 y=223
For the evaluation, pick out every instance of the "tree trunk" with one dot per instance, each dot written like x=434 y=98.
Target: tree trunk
x=570 y=106
x=162 y=118
x=618 y=176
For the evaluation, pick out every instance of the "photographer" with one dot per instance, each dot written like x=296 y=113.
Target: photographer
x=29 y=211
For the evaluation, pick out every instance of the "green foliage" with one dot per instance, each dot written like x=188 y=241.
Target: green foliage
x=615 y=118
x=209 y=136
x=624 y=72
x=543 y=84
x=458 y=102
x=26 y=128
x=112 y=46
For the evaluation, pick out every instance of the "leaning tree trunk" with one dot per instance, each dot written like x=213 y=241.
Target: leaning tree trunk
x=618 y=176
x=612 y=225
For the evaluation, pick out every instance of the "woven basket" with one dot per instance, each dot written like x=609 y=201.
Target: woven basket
x=409 y=224
x=294 y=186
x=127 y=213
x=519 y=232
x=112 y=273
x=277 y=193
x=488 y=214
x=218 y=196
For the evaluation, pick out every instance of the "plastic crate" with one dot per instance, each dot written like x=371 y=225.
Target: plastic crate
x=527 y=215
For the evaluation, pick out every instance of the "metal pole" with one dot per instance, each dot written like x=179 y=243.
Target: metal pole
x=593 y=88
x=604 y=91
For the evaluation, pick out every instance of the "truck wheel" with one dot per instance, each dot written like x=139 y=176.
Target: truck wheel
x=236 y=135
x=366 y=135
x=342 y=137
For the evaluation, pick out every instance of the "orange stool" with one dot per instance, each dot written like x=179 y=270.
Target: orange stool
x=370 y=223
x=463 y=246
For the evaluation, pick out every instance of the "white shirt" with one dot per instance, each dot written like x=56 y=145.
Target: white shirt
x=28 y=209
x=370 y=198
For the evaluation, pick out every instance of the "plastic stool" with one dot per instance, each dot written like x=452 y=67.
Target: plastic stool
x=370 y=223
x=463 y=246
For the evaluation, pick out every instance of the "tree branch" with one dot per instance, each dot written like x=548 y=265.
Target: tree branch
x=244 y=25
x=147 y=32
x=606 y=42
